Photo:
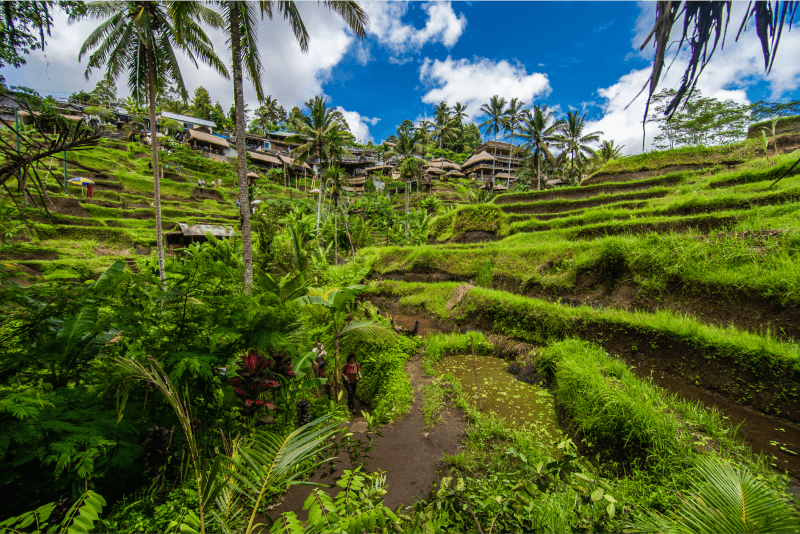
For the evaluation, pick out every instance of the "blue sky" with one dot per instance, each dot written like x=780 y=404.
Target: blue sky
x=569 y=55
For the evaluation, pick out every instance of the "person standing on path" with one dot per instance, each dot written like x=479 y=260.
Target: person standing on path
x=351 y=372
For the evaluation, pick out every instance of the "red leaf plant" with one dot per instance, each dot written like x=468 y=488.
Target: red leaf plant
x=256 y=375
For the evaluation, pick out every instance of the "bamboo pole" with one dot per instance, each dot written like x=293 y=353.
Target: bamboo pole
x=475 y=370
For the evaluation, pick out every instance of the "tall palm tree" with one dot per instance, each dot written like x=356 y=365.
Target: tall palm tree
x=496 y=111
x=140 y=37
x=241 y=29
x=314 y=132
x=445 y=125
x=425 y=128
x=574 y=142
x=460 y=112
x=335 y=177
x=406 y=147
x=539 y=128
x=608 y=151
x=514 y=116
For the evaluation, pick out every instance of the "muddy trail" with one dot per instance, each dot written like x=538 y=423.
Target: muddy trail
x=409 y=454
x=776 y=438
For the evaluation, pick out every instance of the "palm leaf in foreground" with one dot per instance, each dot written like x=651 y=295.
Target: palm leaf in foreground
x=271 y=460
x=726 y=499
x=366 y=331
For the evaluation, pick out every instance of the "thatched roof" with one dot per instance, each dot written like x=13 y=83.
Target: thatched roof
x=357 y=181
x=454 y=173
x=379 y=168
x=208 y=138
x=480 y=157
x=265 y=158
x=445 y=163
x=289 y=161
x=251 y=174
x=504 y=175
x=497 y=187
x=70 y=117
x=434 y=170
x=359 y=189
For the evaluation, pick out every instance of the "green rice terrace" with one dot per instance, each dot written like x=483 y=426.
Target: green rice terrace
x=492 y=320
x=573 y=357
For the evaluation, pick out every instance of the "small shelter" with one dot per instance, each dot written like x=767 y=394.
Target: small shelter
x=185 y=234
x=265 y=161
x=252 y=177
x=453 y=174
x=446 y=164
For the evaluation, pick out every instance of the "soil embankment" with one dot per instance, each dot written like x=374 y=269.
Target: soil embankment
x=766 y=434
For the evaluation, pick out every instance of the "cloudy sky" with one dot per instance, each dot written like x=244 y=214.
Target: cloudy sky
x=568 y=55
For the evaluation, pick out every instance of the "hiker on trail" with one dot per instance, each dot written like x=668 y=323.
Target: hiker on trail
x=351 y=372
x=199 y=183
x=204 y=182
x=319 y=361
x=237 y=202
x=219 y=182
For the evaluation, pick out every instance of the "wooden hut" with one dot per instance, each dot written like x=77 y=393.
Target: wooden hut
x=482 y=163
x=207 y=142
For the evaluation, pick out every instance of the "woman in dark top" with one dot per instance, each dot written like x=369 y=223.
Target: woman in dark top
x=351 y=373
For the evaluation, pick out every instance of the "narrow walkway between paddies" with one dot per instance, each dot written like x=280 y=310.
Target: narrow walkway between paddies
x=408 y=454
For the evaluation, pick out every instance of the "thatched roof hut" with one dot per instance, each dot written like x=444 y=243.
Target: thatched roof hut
x=196 y=136
x=265 y=159
x=444 y=163
x=251 y=174
x=480 y=157
x=454 y=174
x=434 y=170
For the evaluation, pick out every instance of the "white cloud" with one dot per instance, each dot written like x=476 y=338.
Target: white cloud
x=288 y=74
x=475 y=82
x=442 y=26
x=731 y=71
x=359 y=125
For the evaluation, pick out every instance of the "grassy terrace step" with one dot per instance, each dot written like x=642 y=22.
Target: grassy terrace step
x=748 y=369
x=687 y=157
x=750 y=279
x=560 y=206
x=582 y=192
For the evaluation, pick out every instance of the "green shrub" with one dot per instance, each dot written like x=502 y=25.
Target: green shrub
x=385 y=385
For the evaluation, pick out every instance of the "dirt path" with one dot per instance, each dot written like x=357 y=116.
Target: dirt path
x=410 y=456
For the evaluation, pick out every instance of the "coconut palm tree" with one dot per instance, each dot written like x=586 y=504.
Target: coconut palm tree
x=460 y=112
x=406 y=147
x=539 y=129
x=141 y=37
x=335 y=177
x=314 y=132
x=241 y=29
x=608 y=151
x=425 y=128
x=574 y=142
x=514 y=116
x=496 y=111
x=445 y=125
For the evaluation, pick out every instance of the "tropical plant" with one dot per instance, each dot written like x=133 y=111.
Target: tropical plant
x=446 y=126
x=241 y=28
x=514 y=116
x=495 y=109
x=254 y=377
x=335 y=180
x=460 y=112
x=724 y=498
x=407 y=146
x=79 y=518
x=336 y=301
x=574 y=141
x=314 y=134
x=358 y=507
x=608 y=151
x=539 y=130
x=140 y=37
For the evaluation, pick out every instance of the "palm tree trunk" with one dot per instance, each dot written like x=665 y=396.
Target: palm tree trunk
x=241 y=158
x=494 y=163
x=151 y=72
x=510 y=155
x=319 y=202
x=336 y=369
x=335 y=234
x=407 y=185
x=539 y=170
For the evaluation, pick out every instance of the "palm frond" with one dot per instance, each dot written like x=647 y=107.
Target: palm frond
x=366 y=331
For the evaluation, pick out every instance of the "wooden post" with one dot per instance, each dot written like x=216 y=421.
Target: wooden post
x=475 y=370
